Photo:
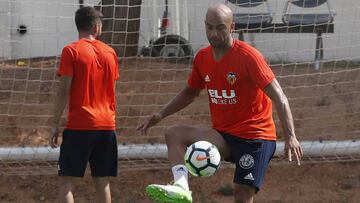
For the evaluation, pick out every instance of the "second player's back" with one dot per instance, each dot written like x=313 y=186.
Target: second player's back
x=95 y=69
x=90 y=51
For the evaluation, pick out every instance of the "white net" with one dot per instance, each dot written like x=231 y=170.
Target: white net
x=155 y=41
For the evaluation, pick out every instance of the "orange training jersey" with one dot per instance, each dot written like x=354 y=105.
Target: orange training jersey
x=235 y=86
x=93 y=67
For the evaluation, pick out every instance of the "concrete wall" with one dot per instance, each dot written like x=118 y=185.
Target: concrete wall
x=5 y=48
x=344 y=44
x=50 y=26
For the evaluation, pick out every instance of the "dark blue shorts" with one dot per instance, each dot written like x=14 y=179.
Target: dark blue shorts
x=251 y=158
x=98 y=147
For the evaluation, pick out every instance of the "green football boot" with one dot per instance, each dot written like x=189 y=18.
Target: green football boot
x=169 y=193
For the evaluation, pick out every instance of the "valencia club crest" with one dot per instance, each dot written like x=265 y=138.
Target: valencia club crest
x=231 y=78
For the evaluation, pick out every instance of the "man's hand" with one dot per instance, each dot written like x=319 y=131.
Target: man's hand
x=292 y=146
x=149 y=122
x=53 y=139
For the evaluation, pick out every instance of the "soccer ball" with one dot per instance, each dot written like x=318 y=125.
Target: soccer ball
x=202 y=159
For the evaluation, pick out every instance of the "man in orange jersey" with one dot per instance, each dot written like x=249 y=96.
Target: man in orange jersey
x=88 y=72
x=241 y=88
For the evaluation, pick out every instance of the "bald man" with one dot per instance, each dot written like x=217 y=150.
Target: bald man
x=241 y=89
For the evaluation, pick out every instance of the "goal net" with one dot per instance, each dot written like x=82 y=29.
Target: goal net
x=313 y=49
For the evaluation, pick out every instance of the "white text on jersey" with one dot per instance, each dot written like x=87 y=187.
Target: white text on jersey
x=226 y=97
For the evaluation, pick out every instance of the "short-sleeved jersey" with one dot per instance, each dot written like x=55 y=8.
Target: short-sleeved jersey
x=235 y=83
x=93 y=66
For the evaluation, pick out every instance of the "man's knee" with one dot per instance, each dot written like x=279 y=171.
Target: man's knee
x=65 y=186
x=66 y=181
x=244 y=193
x=101 y=183
x=174 y=133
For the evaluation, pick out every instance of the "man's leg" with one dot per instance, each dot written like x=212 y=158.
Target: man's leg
x=65 y=189
x=72 y=162
x=177 y=139
x=102 y=186
x=244 y=193
x=103 y=163
x=251 y=158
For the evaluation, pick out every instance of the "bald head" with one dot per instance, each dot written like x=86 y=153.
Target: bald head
x=219 y=25
x=219 y=12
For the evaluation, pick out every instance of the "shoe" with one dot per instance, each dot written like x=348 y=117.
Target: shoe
x=169 y=193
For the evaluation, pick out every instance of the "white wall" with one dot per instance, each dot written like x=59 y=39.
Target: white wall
x=344 y=44
x=50 y=26
x=5 y=48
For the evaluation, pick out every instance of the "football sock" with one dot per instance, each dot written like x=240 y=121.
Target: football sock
x=180 y=173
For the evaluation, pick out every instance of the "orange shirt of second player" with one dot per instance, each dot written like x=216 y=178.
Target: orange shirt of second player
x=93 y=67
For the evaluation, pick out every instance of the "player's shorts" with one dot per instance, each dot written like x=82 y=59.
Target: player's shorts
x=98 y=147
x=251 y=158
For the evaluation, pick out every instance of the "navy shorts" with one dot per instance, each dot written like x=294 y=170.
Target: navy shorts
x=251 y=158
x=98 y=147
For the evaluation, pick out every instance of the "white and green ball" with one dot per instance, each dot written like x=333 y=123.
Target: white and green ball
x=202 y=159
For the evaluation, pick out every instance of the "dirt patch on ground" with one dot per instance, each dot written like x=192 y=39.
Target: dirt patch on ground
x=283 y=183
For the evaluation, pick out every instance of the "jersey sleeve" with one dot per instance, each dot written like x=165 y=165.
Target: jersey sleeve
x=68 y=56
x=260 y=72
x=195 y=79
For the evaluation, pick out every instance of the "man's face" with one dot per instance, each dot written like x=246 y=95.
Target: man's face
x=218 y=30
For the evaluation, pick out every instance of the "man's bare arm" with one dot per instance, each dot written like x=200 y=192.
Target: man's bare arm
x=185 y=97
x=276 y=94
x=61 y=100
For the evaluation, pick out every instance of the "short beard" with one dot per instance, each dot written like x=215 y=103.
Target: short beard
x=218 y=46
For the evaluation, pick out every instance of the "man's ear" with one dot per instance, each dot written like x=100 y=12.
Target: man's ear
x=94 y=29
x=232 y=28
